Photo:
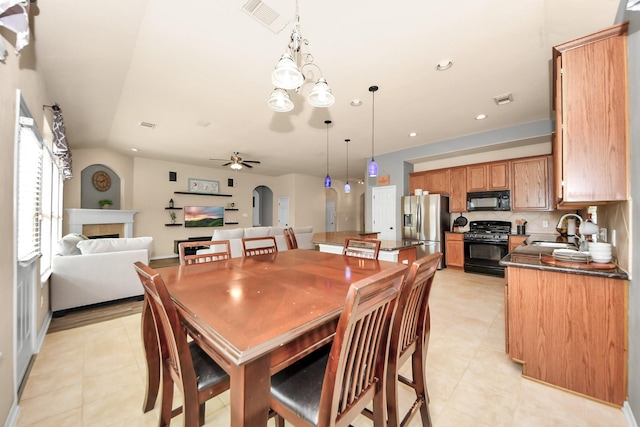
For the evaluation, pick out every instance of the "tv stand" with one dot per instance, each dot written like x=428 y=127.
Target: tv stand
x=192 y=250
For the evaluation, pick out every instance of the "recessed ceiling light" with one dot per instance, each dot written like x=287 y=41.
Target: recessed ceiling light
x=481 y=116
x=445 y=64
x=356 y=103
x=134 y=149
x=412 y=134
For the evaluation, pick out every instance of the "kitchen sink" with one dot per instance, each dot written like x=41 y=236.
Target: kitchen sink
x=556 y=245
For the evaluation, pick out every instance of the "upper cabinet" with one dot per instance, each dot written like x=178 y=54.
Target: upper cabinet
x=530 y=184
x=417 y=181
x=458 y=190
x=488 y=176
x=437 y=181
x=590 y=99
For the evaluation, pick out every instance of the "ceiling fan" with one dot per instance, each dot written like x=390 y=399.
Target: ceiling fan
x=236 y=162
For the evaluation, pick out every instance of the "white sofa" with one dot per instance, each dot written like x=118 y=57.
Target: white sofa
x=234 y=236
x=91 y=271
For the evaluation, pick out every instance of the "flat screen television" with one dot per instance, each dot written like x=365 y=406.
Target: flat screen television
x=204 y=216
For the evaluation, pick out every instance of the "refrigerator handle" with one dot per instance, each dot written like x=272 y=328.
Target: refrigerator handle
x=418 y=218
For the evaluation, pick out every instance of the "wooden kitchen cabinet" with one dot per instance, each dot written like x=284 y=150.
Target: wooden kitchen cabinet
x=417 y=180
x=454 y=249
x=530 y=186
x=437 y=181
x=488 y=176
x=590 y=98
x=569 y=330
x=458 y=190
x=516 y=240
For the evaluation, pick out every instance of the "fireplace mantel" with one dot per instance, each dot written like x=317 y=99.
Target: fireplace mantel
x=80 y=217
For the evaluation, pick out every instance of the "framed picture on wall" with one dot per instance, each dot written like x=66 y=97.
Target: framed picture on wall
x=204 y=186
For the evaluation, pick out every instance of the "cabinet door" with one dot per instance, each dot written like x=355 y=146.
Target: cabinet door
x=437 y=181
x=477 y=177
x=458 y=190
x=454 y=249
x=417 y=180
x=593 y=100
x=515 y=241
x=530 y=186
x=498 y=173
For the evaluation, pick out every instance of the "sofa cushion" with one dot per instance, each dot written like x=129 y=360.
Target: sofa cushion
x=304 y=237
x=98 y=246
x=256 y=232
x=236 y=233
x=302 y=230
x=276 y=231
x=68 y=245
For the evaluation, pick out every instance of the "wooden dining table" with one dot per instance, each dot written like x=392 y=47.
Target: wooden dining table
x=257 y=315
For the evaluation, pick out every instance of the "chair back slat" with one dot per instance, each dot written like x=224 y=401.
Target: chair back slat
x=252 y=246
x=290 y=238
x=219 y=250
x=359 y=352
x=361 y=248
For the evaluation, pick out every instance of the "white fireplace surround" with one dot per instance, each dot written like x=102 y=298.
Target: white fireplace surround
x=80 y=217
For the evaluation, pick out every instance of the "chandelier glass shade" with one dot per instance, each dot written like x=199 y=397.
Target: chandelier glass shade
x=347 y=187
x=289 y=74
x=373 y=166
x=327 y=180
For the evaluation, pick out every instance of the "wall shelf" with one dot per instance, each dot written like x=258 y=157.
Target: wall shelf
x=202 y=194
x=230 y=223
x=174 y=209
x=174 y=225
x=231 y=209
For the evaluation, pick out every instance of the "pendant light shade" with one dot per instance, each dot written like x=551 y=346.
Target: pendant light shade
x=280 y=101
x=327 y=180
x=347 y=187
x=373 y=166
x=321 y=95
x=287 y=75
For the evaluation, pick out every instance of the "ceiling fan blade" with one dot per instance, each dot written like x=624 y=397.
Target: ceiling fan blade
x=244 y=164
x=222 y=160
x=251 y=161
x=227 y=164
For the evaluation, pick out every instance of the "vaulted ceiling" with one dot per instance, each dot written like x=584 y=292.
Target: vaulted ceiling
x=200 y=71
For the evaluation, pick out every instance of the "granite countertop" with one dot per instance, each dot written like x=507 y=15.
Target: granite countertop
x=337 y=239
x=530 y=256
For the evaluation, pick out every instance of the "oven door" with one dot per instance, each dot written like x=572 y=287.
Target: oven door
x=483 y=256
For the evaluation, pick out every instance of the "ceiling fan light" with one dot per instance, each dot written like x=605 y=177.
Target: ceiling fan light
x=373 y=168
x=236 y=166
x=280 y=101
x=321 y=95
x=287 y=74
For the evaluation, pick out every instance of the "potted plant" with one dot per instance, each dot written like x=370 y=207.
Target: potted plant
x=105 y=203
x=173 y=217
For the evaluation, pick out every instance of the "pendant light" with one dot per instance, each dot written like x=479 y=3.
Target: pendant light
x=327 y=180
x=373 y=166
x=347 y=187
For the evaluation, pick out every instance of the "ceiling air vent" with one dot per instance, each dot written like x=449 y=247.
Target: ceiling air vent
x=266 y=15
x=503 y=99
x=147 y=125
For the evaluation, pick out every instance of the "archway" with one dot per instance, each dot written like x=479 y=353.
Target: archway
x=262 y=206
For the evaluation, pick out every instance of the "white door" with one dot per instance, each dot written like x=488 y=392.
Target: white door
x=283 y=212
x=383 y=212
x=330 y=216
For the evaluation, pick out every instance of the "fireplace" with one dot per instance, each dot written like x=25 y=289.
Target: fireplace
x=101 y=221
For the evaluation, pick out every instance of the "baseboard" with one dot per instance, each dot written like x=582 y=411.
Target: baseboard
x=12 y=418
x=164 y=257
x=628 y=415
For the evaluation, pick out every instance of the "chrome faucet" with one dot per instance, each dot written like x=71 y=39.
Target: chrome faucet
x=583 y=241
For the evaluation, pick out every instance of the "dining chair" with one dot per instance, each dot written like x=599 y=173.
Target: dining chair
x=409 y=339
x=252 y=246
x=219 y=250
x=290 y=237
x=361 y=248
x=332 y=385
x=184 y=363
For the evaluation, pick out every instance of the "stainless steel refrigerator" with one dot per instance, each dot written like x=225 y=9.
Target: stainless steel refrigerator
x=425 y=219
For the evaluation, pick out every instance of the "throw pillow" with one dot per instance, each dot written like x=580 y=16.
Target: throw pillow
x=68 y=245
x=256 y=232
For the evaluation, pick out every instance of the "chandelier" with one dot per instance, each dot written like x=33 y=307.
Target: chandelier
x=289 y=74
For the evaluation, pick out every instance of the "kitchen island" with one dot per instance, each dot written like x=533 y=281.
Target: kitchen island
x=390 y=250
x=567 y=324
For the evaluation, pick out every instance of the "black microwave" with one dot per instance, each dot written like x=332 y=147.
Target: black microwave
x=489 y=201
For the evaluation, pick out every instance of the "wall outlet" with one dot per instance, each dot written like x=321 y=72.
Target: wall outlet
x=545 y=224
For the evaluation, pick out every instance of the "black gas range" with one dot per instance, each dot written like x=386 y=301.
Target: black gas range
x=485 y=244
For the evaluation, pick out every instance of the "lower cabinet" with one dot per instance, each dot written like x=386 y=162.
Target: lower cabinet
x=515 y=241
x=454 y=250
x=569 y=330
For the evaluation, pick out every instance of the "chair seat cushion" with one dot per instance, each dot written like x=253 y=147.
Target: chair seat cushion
x=299 y=386
x=208 y=372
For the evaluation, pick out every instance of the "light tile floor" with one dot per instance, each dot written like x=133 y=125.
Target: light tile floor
x=95 y=375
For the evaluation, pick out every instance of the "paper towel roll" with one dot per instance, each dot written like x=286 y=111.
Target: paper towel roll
x=571 y=226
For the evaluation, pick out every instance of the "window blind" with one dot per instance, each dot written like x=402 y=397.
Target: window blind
x=29 y=194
